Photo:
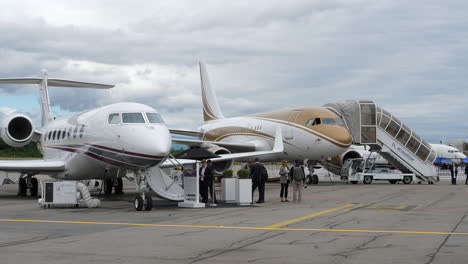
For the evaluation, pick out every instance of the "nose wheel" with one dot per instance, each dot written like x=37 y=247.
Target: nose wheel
x=145 y=202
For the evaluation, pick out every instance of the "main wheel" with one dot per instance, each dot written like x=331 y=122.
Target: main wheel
x=119 y=187
x=22 y=187
x=138 y=203
x=148 y=202
x=367 y=180
x=34 y=186
x=315 y=179
x=407 y=179
x=108 y=184
x=392 y=181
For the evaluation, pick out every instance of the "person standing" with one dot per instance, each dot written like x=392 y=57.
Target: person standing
x=209 y=178
x=259 y=175
x=284 y=181
x=298 y=176
x=204 y=171
x=453 y=175
x=466 y=173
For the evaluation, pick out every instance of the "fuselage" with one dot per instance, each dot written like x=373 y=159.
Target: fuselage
x=107 y=141
x=449 y=152
x=314 y=133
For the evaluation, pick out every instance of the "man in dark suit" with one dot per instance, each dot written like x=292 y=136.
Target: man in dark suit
x=466 y=173
x=204 y=173
x=259 y=175
x=209 y=178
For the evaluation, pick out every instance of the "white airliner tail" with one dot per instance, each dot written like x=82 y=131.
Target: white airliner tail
x=211 y=109
x=44 y=82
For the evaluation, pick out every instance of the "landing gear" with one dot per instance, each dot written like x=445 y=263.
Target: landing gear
x=118 y=187
x=28 y=182
x=22 y=187
x=34 y=187
x=143 y=200
x=116 y=184
x=138 y=202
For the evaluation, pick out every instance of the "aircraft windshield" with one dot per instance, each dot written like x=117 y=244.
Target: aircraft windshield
x=154 y=118
x=114 y=118
x=133 y=118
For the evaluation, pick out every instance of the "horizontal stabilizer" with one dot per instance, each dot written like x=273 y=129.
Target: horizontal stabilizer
x=55 y=82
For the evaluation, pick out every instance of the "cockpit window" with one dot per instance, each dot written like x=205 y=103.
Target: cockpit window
x=328 y=121
x=133 y=118
x=114 y=119
x=154 y=118
x=313 y=122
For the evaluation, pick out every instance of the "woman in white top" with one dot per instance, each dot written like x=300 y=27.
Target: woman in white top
x=284 y=180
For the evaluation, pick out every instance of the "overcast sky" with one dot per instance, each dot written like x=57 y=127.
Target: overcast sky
x=411 y=57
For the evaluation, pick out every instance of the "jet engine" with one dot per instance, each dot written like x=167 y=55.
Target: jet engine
x=17 y=130
x=334 y=165
x=220 y=166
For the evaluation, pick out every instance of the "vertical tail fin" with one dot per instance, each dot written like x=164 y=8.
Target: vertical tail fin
x=46 y=112
x=211 y=110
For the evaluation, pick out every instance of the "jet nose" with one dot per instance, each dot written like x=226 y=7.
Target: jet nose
x=158 y=141
x=341 y=135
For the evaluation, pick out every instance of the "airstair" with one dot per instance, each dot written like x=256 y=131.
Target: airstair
x=387 y=135
x=165 y=186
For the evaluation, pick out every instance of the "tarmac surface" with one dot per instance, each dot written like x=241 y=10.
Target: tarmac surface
x=334 y=223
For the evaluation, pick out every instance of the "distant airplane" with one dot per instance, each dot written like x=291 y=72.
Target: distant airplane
x=103 y=143
x=449 y=152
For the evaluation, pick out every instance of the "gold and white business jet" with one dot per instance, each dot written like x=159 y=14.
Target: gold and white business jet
x=313 y=133
x=110 y=142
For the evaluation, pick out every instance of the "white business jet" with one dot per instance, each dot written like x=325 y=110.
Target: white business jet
x=103 y=143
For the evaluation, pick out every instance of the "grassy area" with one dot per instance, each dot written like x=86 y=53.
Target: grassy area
x=28 y=151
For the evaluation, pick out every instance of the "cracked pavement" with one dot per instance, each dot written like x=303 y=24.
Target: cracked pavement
x=440 y=207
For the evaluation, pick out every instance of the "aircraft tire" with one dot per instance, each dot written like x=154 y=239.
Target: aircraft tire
x=148 y=203
x=108 y=184
x=315 y=179
x=138 y=203
x=34 y=187
x=119 y=187
x=22 y=187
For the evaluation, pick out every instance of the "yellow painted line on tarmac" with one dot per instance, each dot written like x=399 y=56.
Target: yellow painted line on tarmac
x=285 y=223
x=236 y=227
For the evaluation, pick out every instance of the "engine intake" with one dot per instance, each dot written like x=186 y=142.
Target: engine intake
x=220 y=166
x=17 y=130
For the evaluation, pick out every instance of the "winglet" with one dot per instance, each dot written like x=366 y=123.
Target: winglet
x=278 y=147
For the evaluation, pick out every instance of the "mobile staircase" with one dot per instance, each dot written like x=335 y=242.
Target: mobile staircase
x=387 y=135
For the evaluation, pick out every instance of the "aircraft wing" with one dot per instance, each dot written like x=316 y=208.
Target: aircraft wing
x=277 y=148
x=237 y=147
x=32 y=166
x=183 y=132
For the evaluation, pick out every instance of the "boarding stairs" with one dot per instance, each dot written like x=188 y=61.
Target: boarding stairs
x=165 y=185
x=387 y=135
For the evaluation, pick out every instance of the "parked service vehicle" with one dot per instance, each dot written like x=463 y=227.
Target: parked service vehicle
x=356 y=170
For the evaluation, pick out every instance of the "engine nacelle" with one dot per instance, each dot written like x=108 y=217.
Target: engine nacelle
x=17 y=130
x=220 y=166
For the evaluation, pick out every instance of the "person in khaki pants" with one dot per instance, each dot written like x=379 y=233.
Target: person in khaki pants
x=298 y=177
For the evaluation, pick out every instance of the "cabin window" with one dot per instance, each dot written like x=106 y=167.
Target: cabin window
x=81 y=131
x=69 y=133
x=133 y=118
x=154 y=118
x=313 y=122
x=75 y=132
x=63 y=133
x=114 y=119
x=54 y=134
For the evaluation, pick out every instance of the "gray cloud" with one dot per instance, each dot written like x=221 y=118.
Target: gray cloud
x=408 y=56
